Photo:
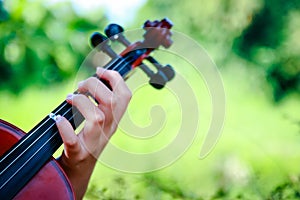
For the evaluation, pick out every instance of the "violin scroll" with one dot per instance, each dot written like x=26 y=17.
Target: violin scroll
x=157 y=34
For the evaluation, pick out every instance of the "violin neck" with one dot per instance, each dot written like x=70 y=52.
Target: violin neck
x=22 y=161
x=32 y=151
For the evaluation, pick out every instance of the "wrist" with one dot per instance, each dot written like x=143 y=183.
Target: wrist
x=78 y=173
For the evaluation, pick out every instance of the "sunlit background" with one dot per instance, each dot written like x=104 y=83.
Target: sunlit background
x=255 y=45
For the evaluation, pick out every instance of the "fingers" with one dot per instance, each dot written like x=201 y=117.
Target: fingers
x=113 y=77
x=97 y=89
x=111 y=102
x=70 y=139
x=121 y=94
x=88 y=109
x=101 y=120
x=101 y=92
x=116 y=82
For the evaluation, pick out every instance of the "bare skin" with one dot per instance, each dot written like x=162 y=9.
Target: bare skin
x=82 y=150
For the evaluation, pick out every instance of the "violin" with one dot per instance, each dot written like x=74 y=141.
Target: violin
x=27 y=168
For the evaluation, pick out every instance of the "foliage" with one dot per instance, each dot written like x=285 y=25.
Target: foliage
x=3 y=13
x=265 y=33
x=162 y=188
x=271 y=36
x=42 y=45
x=46 y=44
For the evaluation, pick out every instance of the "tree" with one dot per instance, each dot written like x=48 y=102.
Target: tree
x=263 y=33
x=42 y=45
x=270 y=34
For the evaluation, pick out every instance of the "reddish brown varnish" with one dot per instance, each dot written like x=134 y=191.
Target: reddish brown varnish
x=49 y=183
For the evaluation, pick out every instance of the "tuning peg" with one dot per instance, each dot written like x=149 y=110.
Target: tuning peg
x=164 y=23
x=167 y=70
x=97 y=38
x=115 y=33
x=158 y=33
x=164 y=73
x=158 y=80
x=113 y=30
x=100 y=42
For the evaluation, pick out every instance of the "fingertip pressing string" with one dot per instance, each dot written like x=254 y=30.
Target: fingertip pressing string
x=113 y=66
x=56 y=118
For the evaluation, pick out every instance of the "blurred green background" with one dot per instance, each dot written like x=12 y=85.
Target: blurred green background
x=254 y=43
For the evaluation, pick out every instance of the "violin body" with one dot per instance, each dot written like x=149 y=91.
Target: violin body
x=49 y=183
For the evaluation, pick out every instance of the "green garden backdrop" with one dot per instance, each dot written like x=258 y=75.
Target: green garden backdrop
x=254 y=43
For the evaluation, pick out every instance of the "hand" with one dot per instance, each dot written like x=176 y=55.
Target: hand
x=82 y=150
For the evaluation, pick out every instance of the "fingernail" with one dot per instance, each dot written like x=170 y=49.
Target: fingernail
x=58 y=118
x=70 y=97
x=99 y=68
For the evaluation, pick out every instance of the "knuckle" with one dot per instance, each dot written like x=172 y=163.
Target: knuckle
x=98 y=118
x=78 y=98
x=72 y=144
x=86 y=84
x=113 y=102
x=92 y=80
x=113 y=73
x=90 y=83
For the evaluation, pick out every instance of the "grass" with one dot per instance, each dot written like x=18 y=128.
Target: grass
x=257 y=156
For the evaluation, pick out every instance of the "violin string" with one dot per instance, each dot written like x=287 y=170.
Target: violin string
x=21 y=167
x=3 y=158
x=31 y=157
x=38 y=129
x=51 y=126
